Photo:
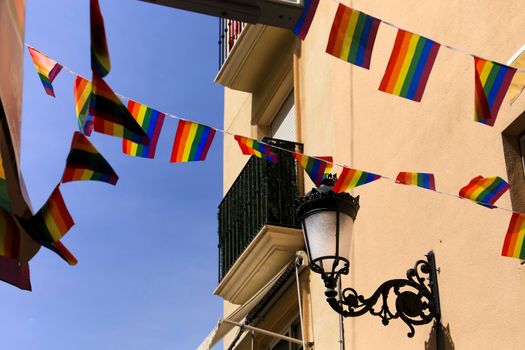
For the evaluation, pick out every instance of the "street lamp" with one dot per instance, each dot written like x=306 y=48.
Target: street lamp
x=327 y=219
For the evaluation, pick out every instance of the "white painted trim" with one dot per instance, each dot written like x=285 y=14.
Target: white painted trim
x=516 y=55
x=264 y=331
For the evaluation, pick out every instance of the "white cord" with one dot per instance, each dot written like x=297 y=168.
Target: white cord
x=277 y=147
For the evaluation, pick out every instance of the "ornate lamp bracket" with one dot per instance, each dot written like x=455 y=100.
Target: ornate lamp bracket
x=416 y=297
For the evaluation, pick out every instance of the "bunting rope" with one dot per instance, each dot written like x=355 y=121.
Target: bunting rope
x=342 y=166
x=451 y=48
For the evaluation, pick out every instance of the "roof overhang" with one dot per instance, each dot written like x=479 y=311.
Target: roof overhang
x=277 y=13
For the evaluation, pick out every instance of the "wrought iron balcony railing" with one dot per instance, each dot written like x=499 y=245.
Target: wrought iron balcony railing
x=229 y=32
x=262 y=194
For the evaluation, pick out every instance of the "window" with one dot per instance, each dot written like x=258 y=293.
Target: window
x=514 y=151
x=294 y=331
x=522 y=151
x=283 y=125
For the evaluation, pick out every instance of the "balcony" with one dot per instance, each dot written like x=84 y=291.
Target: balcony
x=258 y=231
x=229 y=32
x=253 y=57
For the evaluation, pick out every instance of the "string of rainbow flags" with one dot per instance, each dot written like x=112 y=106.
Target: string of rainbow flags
x=193 y=141
x=352 y=38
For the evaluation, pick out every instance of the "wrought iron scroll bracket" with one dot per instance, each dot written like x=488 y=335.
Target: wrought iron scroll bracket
x=416 y=297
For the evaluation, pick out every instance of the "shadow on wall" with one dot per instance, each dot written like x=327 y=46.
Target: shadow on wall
x=445 y=339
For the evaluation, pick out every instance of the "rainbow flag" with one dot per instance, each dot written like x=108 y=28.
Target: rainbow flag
x=46 y=68
x=50 y=224
x=514 y=246
x=53 y=219
x=353 y=36
x=484 y=191
x=151 y=122
x=9 y=236
x=256 y=148
x=62 y=251
x=409 y=66
x=315 y=168
x=111 y=116
x=82 y=92
x=492 y=80
x=424 y=180
x=307 y=16
x=329 y=163
x=192 y=142
x=351 y=178
x=4 y=194
x=100 y=63
x=15 y=272
x=84 y=162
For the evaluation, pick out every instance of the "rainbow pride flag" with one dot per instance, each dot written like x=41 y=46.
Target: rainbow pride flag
x=424 y=180
x=151 y=122
x=100 y=63
x=9 y=236
x=329 y=163
x=85 y=163
x=317 y=169
x=50 y=224
x=4 y=194
x=53 y=219
x=492 y=80
x=15 y=272
x=351 y=178
x=409 y=66
x=82 y=91
x=484 y=191
x=111 y=116
x=62 y=252
x=514 y=246
x=46 y=68
x=305 y=21
x=256 y=148
x=353 y=36
x=192 y=142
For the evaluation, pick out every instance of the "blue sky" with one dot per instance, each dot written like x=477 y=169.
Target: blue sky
x=147 y=248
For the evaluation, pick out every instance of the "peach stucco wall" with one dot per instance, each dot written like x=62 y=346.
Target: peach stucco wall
x=344 y=114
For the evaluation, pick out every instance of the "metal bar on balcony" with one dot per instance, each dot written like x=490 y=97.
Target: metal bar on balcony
x=229 y=32
x=263 y=194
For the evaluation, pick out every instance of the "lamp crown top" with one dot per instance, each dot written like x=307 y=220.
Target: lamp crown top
x=324 y=198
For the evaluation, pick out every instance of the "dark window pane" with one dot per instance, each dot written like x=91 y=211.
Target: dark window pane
x=282 y=345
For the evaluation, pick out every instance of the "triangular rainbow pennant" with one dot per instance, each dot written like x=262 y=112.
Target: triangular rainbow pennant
x=492 y=81
x=85 y=163
x=4 y=194
x=256 y=148
x=409 y=67
x=305 y=20
x=514 y=246
x=353 y=36
x=484 y=191
x=111 y=116
x=192 y=142
x=317 y=169
x=14 y=270
x=351 y=178
x=9 y=236
x=423 y=180
x=100 y=63
x=151 y=122
x=82 y=91
x=46 y=68
x=50 y=224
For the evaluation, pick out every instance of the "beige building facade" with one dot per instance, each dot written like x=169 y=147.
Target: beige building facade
x=280 y=87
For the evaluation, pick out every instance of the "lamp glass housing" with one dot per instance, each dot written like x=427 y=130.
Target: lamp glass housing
x=327 y=219
x=328 y=234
